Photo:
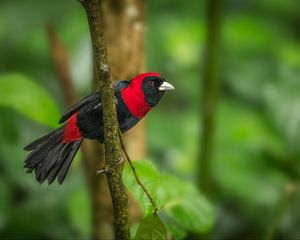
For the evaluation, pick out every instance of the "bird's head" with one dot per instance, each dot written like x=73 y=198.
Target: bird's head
x=153 y=86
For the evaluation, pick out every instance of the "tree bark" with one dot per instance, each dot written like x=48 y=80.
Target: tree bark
x=112 y=146
x=210 y=94
x=124 y=32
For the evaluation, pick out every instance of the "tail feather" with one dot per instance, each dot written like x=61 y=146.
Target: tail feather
x=62 y=166
x=55 y=169
x=42 y=168
x=50 y=157
x=35 y=157
x=44 y=139
x=52 y=162
x=40 y=152
x=67 y=162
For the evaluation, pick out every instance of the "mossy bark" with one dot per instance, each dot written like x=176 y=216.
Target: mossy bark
x=112 y=147
x=124 y=32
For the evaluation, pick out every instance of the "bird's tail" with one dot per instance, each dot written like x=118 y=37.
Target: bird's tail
x=51 y=156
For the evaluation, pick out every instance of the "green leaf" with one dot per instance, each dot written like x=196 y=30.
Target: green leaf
x=22 y=94
x=183 y=207
x=151 y=228
x=192 y=214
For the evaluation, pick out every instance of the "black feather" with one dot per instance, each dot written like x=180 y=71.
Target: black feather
x=50 y=156
x=44 y=139
x=120 y=85
x=95 y=96
x=37 y=154
x=90 y=98
x=56 y=168
x=44 y=166
x=67 y=162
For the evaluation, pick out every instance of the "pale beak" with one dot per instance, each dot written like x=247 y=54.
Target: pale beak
x=166 y=87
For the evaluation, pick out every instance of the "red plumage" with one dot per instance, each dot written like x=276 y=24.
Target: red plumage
x=71 y=131
x=134 y=97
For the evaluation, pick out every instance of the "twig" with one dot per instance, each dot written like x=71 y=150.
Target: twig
x=136 y=176
x=281 y=207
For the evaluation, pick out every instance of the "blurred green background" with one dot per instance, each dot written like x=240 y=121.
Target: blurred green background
x=256 y=163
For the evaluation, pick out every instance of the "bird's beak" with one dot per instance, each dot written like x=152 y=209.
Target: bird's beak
x=166 y=87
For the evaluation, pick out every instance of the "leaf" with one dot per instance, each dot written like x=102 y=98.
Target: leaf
x=192 y=214
x=183 y=208
x=151 y=228
x=189 y=209
x=22 y=94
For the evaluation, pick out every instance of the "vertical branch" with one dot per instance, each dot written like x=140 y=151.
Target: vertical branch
x=125 y=37
x=210 y=93
x=113 y=152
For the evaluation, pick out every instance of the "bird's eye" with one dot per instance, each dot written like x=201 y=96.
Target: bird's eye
x=151 y=84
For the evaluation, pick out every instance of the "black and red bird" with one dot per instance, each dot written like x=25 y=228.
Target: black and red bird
x=52 y=154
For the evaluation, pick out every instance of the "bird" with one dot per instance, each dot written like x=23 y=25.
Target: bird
x=51 y=155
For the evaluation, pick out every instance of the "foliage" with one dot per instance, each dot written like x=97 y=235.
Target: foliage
x=151 y=227
x=15 y=90
x=181 y=205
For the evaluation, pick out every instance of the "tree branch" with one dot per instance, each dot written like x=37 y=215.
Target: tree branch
x=112 y=146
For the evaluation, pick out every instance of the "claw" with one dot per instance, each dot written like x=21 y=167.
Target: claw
x=121 y=161
x=98 y=172
x=104 y=170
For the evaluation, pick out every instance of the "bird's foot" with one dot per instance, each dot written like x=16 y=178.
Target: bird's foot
x=103 y=170
x=106 y=170
x=121 y=161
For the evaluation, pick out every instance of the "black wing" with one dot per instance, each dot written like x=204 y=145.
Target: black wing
x=120 y=85
x=90 y=98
